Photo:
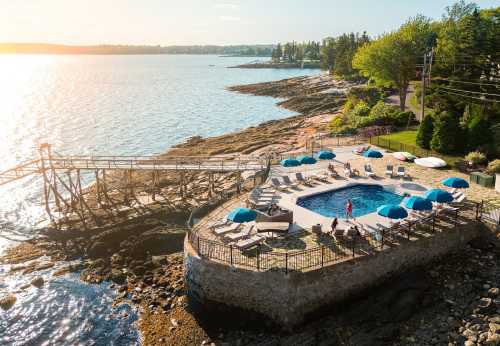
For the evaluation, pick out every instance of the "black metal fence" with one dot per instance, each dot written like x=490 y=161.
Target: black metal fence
x=489 y=212
x=417 y=151
x=333 y=249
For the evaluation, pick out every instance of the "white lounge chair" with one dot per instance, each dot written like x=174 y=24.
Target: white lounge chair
x=288 y=181
x=302 y=180
x=278 y=185
x=401 y=172
x=389 y=170
x=248 y=243
x=230 y=228
x=218 y=223
x=245 y=232
x=368 y=171
x=459 y=199
x=323 y=177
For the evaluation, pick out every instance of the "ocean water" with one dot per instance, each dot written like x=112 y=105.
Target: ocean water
x=103 y=105
x=116 y=105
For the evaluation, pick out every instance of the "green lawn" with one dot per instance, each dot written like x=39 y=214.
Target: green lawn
x=405 y=137
x=406 y=141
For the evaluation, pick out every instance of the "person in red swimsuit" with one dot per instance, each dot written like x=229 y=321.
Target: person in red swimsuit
x=348 y=209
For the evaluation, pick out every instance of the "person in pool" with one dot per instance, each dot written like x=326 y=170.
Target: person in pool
x=348 y=209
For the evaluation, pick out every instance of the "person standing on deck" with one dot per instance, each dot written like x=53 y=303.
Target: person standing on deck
x=348 y=209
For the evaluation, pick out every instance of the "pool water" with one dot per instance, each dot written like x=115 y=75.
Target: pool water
x=365 y=200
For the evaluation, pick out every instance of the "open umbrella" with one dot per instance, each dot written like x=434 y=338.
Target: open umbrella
x=439 y=196
x=290 y=163
x=325 y=155
x=418 y=203
x=392 y=211
x=306 y=160
x=240 y=215
x=373 y=154
x=455 y=182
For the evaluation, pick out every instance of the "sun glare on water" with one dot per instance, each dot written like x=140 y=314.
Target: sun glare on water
x=24 y=79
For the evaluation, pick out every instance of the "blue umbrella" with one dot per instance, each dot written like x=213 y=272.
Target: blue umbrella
x=455 y=182
x=326 y=155
x=240 y=215
x=373 y=154
x=306 y=160
x=439 y=196
x=290 y=163
x=392 y=211
x=418 y=203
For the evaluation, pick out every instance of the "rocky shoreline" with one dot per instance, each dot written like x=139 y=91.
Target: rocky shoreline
x=139 y=250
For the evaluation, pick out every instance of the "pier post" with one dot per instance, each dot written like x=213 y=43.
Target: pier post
x=97 y=187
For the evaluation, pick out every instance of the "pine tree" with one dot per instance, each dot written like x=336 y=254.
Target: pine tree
x=424 y=135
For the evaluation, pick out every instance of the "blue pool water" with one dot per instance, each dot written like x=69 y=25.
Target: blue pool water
x=365 y=199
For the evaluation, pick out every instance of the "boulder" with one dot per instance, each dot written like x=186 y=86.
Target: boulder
x=159 y=261
x=485 y=306
x=7 y=302
x=38 y=282
x=118 y=276
x=98 y=249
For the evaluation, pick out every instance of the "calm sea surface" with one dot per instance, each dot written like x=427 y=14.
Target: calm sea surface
x=103 y=105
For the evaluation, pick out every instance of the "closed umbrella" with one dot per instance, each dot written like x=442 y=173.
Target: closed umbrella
x=325 y=155
x=392 y=211
x=456 y=182
x=418 y=203
x=240 y=215
x=290 y=163
x=373 y=154
x=439 y=196
x=306 y=160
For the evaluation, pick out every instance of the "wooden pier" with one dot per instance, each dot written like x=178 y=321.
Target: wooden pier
x=62 y=177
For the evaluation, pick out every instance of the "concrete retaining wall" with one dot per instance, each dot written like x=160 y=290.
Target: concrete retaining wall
x=289 y=298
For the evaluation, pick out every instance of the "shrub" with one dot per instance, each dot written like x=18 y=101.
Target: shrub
x=494 y=167
x=336 y=122
x=370 y=94
x=361 y=109
x=401 y=118
x=424 y=134
x=349 y=105
x=447 y=134
x=475 y=157
x=381 y=110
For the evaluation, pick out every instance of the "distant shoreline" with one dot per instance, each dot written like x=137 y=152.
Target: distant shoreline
x=257 y=51
x=281 y=65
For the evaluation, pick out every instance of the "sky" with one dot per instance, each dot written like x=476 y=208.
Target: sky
x=187 y=22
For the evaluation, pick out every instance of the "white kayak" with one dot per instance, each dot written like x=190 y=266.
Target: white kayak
x=430 y=162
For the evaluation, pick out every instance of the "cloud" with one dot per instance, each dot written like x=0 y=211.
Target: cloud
x=229 y=18
x=227 y=6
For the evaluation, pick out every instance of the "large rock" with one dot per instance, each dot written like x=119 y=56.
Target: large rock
x=98 y=249
x=38 y=282
x=485 y=306
x=118 y=276
x=7 y=302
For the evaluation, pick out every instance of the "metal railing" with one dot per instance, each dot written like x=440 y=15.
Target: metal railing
x=489 y=212
x=333 y=250
x=413 y=149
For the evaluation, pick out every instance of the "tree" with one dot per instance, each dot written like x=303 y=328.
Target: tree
x=447 y=136
x=279 y=52
x=478 y=133
x=391 y=60
x=328 y=54
x=424 y=134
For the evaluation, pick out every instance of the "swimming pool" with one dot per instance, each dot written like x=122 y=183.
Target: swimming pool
x=365 y=200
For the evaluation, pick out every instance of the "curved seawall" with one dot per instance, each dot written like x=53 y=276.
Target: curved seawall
x=289 y=298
